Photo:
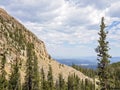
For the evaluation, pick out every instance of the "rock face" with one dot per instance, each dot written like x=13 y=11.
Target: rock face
x=13 y=39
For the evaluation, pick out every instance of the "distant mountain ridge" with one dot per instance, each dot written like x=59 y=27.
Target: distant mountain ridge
x=90 y=62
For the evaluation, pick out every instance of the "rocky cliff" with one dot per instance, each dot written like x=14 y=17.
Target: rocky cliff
x=13 y=39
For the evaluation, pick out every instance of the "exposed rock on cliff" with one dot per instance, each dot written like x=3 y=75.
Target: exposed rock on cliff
x=13 y=43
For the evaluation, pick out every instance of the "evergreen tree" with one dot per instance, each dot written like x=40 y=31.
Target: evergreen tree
x=115 y=75
x=29 y=69
x=87 y=71
x=36 y=76
x=32 y=79
x=50 y=79
x=61 y=83
x=15 y=80
x=76 y=83
x=70 y=83
x=82 y=86
x=57 y=85
x=3 y=80
x=103 y=57
x=88 y=85
x=43 y=81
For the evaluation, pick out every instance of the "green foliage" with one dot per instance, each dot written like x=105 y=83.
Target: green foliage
x=19 y=38
x=1 y=20
x=3 y=80
x=109 y=75
x=50 y=79
x=61 y=84
x=15 y=79
x=115 y=75
x=32 y=78
x=73 y=82
x=70 y=83
x=103 y=57
x=87 y=71
x=36 y=76
x=88 y=85
x=44 y=85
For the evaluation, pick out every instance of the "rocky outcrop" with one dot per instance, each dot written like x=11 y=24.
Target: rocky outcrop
x=13 y=39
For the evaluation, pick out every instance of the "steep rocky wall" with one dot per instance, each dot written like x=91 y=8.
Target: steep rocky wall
x=13 y=43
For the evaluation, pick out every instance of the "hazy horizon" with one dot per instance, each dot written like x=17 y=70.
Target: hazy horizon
x=81 y=57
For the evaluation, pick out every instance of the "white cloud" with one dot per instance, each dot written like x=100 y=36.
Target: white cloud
x=66 y=22
x=113 y=10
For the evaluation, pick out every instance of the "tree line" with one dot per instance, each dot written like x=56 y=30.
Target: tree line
x=34 y=79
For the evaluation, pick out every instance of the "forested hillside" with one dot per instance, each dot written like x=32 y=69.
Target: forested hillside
x=115 y=74
x=26 y=65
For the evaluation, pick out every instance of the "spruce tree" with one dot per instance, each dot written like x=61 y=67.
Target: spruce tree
x=15 y=79
x=50 y=79
x=57 y=85
x=61 y=82
x=32 y=79
x=103 y=57
x=3 y=80
x=76 y=83
x=88 y=85
x=43 y=81
x=29 y=69
x=82 y=86
x=70 y=83
x=36 y=76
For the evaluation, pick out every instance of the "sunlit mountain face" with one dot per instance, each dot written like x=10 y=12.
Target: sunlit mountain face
x=69 y=28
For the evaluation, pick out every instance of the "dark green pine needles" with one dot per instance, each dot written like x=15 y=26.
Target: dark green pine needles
x=103 y=57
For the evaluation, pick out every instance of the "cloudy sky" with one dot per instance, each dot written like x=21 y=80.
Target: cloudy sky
x=69 y=27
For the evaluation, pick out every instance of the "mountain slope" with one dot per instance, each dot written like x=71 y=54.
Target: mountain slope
x=13 y=43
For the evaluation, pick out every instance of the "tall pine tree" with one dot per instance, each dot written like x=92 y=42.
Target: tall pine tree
x=50 y=79
x=3 y=80
x=70 y=82
x=61 y=82
x=103 y=57
x=15 y=79
x=44 y=85
x=32 y=79
x=36 y=76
